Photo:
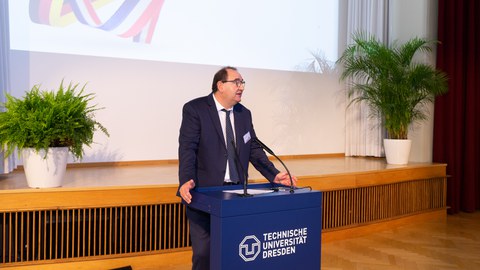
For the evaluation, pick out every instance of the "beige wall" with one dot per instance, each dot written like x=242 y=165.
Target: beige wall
x=410 y=18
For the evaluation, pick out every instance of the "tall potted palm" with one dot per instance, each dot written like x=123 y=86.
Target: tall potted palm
x=394 y=86
x=45 y=126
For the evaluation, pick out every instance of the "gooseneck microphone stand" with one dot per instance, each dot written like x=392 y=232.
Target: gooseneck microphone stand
x=244 y=172
x=292 y=190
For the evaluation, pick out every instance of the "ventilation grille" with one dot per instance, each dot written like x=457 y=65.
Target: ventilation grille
x=76 y=233
x=351 y=207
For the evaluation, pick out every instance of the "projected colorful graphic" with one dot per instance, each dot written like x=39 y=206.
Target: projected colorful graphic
x=265 y=34
x=134 y=19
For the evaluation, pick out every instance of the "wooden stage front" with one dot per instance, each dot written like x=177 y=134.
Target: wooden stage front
x=115 y=214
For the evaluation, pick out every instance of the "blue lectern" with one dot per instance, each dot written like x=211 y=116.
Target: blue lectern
x=270 y=230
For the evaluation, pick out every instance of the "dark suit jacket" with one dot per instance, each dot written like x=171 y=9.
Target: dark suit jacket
x=202 y=152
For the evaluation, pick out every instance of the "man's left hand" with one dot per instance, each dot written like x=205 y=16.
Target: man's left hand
x=282 y=178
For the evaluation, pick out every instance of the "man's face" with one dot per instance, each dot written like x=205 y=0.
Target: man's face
x=231 y=94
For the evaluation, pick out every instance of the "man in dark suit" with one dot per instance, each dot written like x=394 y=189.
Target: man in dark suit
x=203 y=151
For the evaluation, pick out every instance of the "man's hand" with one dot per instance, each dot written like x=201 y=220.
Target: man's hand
x=185 y=191
x=283 y=179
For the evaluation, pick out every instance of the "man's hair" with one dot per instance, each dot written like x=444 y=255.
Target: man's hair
x=221 y=75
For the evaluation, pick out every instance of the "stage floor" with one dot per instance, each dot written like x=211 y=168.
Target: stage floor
x=167 y=174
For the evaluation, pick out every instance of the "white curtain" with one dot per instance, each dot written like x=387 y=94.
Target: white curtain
x=364 y=135
x=6 y=164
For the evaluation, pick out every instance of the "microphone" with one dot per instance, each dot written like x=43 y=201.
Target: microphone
x=245 y=173
x=273 y=154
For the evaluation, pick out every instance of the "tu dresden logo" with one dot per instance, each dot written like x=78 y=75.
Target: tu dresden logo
x=249 y=248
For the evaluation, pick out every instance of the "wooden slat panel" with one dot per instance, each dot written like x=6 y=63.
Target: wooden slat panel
x=353 y=207
x=78 y=233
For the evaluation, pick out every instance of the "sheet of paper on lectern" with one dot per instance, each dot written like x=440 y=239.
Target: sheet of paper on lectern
x=249 y=191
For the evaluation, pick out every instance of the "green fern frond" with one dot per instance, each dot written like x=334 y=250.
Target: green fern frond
x=43 y=119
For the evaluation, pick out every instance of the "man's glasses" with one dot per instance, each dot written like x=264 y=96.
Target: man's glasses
x=237 y=82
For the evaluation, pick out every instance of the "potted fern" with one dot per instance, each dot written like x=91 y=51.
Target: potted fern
x=45 y=126
x=394 y=86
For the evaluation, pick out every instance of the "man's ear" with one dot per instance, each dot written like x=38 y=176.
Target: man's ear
x=220 y=85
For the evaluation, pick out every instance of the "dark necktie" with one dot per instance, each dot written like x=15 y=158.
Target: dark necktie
x=230 y=149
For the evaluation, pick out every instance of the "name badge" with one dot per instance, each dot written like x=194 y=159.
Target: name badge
x=246 y=137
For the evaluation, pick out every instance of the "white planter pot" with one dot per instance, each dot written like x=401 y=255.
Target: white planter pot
x=397 y=151
x=45 y=172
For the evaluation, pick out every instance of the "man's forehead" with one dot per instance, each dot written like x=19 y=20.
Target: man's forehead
x=233 y=74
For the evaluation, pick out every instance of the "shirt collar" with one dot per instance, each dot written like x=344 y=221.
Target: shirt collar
x=219 y=106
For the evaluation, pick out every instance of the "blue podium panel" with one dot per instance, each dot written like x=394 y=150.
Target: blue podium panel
x=278 y=230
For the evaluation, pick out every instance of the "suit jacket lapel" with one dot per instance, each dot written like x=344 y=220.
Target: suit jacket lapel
x=238 y=128
x=212 y=111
